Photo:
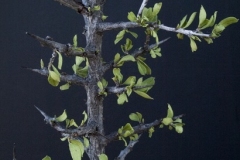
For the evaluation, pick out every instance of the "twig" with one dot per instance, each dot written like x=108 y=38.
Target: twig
x=138 y=52
x=105 y=26
x=73 y=79
x=14 y=151
x=119 y=90
x=140 y=128
x=144 y=3
x=128 y=149
x=66 y=49
x=182 y=31
x=73 y=4
x=80 y=131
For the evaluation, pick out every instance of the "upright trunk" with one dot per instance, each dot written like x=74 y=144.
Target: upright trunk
x=94 y=102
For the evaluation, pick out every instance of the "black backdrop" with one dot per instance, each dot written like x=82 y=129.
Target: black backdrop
x=204 y=85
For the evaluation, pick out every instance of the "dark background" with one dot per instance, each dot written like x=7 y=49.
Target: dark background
x=204 y=85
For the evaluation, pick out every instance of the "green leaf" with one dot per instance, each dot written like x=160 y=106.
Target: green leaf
x=104 y=83
x=143 y=94
x=64 y=138
x=41 y=64
x=193 y=44
x=126 y=130
x=119 y=36
x=103 y=157
x=227 y=21
x=85 y=118
x=100 y=85
x=126 y=58
x=179 y=128
x=129 y=90
x=53 y=78
x=167 y=121
x=132 y=33
x=79 y=60
x=76 y=149
x=147 y=82
x=180 y=36
x=75 y=41
x=96 y=8
x=130 y=81
x=202 y=16
x=65 y=86
x=46 y=158
x=134 y=137
x=150 y=132
x=154 y=34
x=170 y=112
x=86 y=142
x=131 y=17
x=209 y=40
x=182 y=22
x=60 y=60
x=136 y=117
x=55 y=70
x=143 y=67
x=52 y=81
x=117 y=58
x=190 y=20
x=117 y=74
x=72 y=123
x=62 y=117
x=104 y=17
x=157 y=8
x=122 y=98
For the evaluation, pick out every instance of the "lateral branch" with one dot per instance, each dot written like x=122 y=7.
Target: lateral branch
x=80 y=131
x=127 y=150
x=119 y=90
x=72 y=79
x=106 y=26
x=139 y=128
x=75 y=5
x=66 y=49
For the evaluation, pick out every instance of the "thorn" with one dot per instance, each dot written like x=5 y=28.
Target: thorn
x=46 y=117
x=14 y=151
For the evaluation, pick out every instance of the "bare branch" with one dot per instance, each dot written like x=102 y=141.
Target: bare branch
x=144 y=3
x=119 y=90
x=66 y=49
x=145 y=50
x=105 y=26
x=14 y=151
x=73 y=79
x=139 y=128
x=125 y=25
x=182 y=31
x=80 y=131
x=73 y=4
x=127 y=150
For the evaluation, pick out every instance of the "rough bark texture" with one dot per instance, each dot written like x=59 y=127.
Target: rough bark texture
x=94 y=102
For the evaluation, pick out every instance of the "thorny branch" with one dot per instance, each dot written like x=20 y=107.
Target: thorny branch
x=119 y=90
x=105 y=26
x=127 y=150
x=136 y=53
x=73 y=4
x=140 y=128
x=80 y=131
x=14 y=152
x=72 y=79
x=66 y=49
x=144 y=3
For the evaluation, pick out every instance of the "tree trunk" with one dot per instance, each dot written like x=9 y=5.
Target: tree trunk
x=95 y=73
